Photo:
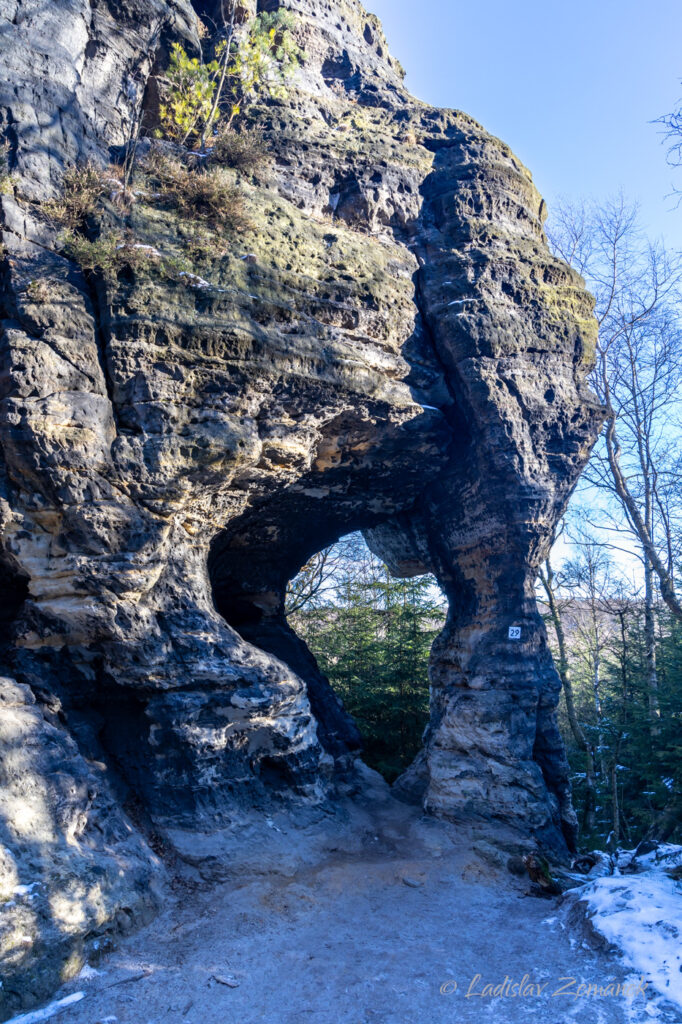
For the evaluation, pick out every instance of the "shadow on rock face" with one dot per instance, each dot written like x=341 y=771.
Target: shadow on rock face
x=73 y=871
x=14 y=591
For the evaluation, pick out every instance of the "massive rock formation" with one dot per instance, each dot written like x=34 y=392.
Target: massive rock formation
x=385 y=344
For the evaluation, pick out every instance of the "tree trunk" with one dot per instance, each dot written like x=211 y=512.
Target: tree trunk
x=650 y=653
x=547 y=580
x=670 y=818
x=596 y=685
x=223 y=74
x=615 y=807
x=665 y=580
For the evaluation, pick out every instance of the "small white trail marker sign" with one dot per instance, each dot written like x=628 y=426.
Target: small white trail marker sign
x=514 y=632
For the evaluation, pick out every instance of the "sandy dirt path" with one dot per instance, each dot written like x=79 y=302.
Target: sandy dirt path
x=396 y=919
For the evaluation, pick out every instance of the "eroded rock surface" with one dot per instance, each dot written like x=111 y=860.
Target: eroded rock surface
x=386 y=344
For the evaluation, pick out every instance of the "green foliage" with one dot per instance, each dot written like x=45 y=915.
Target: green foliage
x=615 y=716
x=189 y=89
x=99 y=256
x=372 y=636
x=650 y=766
x=263 y=60
x=244 y=65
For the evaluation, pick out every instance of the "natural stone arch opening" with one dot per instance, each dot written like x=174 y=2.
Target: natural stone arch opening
x=491 y=748
x=249 y=570
x=372 y=631
x=249 y=585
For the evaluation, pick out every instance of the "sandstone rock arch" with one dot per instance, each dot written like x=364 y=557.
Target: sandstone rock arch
x=388 y=346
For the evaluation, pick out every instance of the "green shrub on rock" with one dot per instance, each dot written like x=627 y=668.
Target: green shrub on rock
x=189 y=88
x=246 y=63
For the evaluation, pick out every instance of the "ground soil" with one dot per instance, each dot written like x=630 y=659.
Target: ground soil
x=377 y=915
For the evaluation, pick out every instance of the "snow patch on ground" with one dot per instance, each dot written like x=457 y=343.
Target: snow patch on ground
x=664 y=858
x=641 y=914
x=25 y=890
x=193 y=280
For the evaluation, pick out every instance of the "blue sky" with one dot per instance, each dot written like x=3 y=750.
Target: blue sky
x=572 y=87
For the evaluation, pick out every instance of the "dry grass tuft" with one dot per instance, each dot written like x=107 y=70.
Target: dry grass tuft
x=242 y=151
x=207 y=193
x=108 y=254
x=83 y=187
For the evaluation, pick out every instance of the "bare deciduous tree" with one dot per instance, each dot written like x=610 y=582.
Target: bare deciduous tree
x=326 y=571
x=556 y=608
x=636 y=465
